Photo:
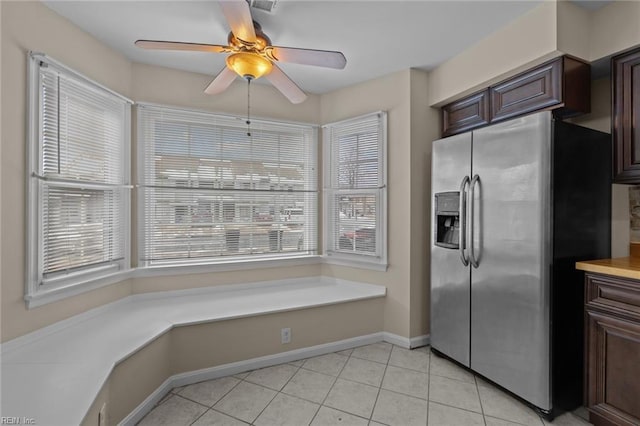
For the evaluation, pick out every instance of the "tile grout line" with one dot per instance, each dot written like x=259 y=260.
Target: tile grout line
x=484 y=419
x=277 y=392
x=428 y=389
x=187 y=399
x=311 y=371
x=332 y=385
x=335 y=379
x=384 y=373
x=334 y=382
x=299 y=367
x=218 y=400
x=493 y=387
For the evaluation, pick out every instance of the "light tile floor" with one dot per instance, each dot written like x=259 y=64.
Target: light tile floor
x=379 y=384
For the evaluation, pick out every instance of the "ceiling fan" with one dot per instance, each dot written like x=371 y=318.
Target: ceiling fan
x=251 y=54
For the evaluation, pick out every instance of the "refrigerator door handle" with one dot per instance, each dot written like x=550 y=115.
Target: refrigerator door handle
x=462 y=234
x=472 y=187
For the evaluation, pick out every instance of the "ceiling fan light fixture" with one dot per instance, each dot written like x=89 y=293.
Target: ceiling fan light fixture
x=249 y=65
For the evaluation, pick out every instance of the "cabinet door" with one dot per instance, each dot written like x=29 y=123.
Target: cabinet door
x=613 y=387
x=532 y=90
x=626 y=117
x=465 y=114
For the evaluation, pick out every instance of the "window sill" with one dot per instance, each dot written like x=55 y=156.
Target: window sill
x=231 y=265
x=44 y=297
x=349 y=261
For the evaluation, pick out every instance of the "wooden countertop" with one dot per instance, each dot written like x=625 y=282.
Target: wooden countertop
x=626 y=267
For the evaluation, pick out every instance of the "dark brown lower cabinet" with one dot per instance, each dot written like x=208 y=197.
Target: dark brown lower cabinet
x=612 y=350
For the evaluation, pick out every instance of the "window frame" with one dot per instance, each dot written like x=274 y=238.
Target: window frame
x=37 y=292
x=378 y=262
x=224 y=263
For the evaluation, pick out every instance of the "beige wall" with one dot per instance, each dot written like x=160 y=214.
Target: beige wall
x=205 y=345
x=392 y=94
x=32 y=26
x=573 y=27
x=412 y=125
x=134 y=379
x=92 y=416
x=531 y=39
x=425 y=128
x=614 y=28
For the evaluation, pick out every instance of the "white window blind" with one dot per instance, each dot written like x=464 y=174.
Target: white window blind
x=210 y=193
x=356 y=187
x=78 y=177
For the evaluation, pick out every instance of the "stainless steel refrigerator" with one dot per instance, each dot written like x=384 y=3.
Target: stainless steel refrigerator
x=514 y=206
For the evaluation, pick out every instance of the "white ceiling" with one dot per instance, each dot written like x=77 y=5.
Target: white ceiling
x=377 y=37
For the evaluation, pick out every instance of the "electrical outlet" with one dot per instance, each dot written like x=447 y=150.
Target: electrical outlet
x=102 y=415
x=285 y=335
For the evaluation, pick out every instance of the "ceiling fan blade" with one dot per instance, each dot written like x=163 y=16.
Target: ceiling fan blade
x=239 y=18
x=319 y=58
x=221 y=82
x=285 y=85
x=178 y=45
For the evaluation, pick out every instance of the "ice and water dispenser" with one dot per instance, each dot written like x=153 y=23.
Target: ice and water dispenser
x=447 y=218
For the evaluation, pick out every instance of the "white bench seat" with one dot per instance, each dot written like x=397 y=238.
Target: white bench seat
x=53 y=375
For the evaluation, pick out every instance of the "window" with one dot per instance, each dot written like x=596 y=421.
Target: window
x=78 y=179
x=355 y=189
x=209 y=193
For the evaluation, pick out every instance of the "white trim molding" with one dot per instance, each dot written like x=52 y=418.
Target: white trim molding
x=406 y=342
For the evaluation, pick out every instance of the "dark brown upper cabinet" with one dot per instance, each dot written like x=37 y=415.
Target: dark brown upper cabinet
x=563 y=84
x=465 y=114
x=625 y=121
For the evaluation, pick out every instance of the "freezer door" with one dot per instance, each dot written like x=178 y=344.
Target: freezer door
x=510 y=330
x=450 y=279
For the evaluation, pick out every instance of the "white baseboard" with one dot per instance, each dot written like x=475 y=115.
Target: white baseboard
x=196 y=376
x=405 y=342
x=190 y=377
x=419 y=341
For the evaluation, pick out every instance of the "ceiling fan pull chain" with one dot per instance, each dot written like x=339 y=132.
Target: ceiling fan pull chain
x=248 y=107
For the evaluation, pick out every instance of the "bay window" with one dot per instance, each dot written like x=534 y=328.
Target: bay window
x=210 y=193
